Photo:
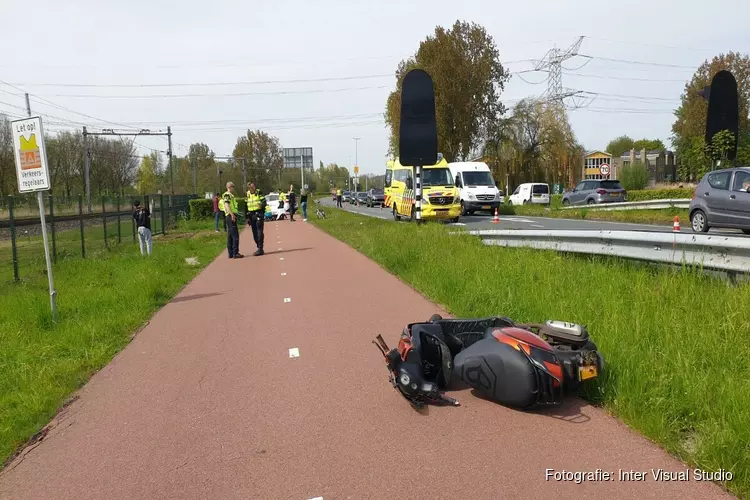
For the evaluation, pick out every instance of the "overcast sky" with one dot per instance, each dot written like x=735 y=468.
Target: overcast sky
x=52 y=47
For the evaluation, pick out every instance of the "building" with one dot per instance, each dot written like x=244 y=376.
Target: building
x=600 y=165
x=661 y=165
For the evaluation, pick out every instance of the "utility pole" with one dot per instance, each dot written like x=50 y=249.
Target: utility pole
x=244 y=174
x=302 y=171
x=356 y=162
x=169 y=153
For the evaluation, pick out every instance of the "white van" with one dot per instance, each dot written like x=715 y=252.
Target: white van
x=530 y=192
x=476 y=187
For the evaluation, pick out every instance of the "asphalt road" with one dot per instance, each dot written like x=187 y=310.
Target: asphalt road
x=484 y=221
x=255 y=383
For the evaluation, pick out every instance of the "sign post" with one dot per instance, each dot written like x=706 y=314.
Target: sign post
x=33 y=175
x=604 y=169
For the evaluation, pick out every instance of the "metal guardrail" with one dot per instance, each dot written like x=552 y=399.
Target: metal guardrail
x=635 y=205
x=722 y=253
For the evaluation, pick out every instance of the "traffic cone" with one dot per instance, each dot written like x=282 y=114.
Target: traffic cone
x=676 y=225
x=496 y=219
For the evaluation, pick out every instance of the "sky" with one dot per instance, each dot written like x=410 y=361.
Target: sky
x=317 y=74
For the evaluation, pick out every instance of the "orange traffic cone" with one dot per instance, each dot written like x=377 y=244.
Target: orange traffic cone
x=496 y=219
x=676 y=225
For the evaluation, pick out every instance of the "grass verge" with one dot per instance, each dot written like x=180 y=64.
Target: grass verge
x=675 y=342
x=662 y=216
x=42 y=363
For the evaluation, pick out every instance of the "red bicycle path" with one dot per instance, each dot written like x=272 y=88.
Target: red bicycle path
x=206 y=403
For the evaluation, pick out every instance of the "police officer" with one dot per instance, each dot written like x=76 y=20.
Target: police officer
x=338 y=197
x=256 y=209
x=231 y=211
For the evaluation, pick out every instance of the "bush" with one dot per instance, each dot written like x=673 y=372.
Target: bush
x=634 y=177
x=659 y=194
x=201 y=209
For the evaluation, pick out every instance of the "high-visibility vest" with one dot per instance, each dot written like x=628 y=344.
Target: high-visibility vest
x=255 y=201
x=282 y=196
x=232 y=203
x=338 y=192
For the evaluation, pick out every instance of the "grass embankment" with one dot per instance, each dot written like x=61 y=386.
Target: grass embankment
x=101 y=301
x=675 y=343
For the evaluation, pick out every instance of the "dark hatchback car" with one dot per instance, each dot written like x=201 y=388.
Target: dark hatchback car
x=594 y=191
x=722 y=200
x=375 y=197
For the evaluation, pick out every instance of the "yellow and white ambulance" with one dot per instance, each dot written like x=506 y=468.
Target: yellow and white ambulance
x=440 y=197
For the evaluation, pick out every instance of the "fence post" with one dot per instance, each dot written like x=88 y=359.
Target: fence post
x=52 y=223
x=119 y=230
x=163 y=221
x=104 y=220
x=13 y=238
x=80 y=218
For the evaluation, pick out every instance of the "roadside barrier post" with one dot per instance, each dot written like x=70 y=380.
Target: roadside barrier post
x=418 y=192
x=104 y=221
x=13 y=238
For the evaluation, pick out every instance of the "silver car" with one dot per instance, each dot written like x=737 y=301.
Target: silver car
x=722 y=200
x=594 y=191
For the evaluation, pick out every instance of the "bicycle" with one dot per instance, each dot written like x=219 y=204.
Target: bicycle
x=319 y=211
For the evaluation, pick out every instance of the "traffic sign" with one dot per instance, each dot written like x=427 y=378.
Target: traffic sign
x=356 y=170
x=31 y=155
x=604 y=169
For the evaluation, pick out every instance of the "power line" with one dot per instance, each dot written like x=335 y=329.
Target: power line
x=643 y=63
x=650 y=45
x=227 y=94
x=208 y=84
x=242 y=121
x=627 y=78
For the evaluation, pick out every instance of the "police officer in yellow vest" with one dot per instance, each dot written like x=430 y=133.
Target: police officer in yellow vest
x=256 y=210
x=231 y=211
x=338 y=197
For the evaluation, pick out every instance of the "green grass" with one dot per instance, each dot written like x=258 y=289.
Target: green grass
x=662 y=216
x=42 y=363
x=675 y=342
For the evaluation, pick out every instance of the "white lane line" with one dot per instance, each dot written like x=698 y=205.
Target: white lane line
x=536 y=225
x=287 y=299
x=281 y=258
x=294 y=352
x=315 y=498
x=283 y=249
x=283 y=274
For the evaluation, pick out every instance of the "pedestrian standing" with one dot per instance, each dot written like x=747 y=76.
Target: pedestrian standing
x=338 y=197
x=217 y=212
x=142 y=217
x=303 y=204
x=256 y=209
x=292 y=202
x=231 y=212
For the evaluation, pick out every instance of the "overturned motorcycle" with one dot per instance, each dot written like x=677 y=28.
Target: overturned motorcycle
x=523 y=366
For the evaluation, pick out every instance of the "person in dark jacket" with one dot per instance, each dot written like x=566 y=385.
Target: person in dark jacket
x=142 y=218
x=292 y=202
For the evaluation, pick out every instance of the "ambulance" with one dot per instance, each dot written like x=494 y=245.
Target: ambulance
x=440 y=198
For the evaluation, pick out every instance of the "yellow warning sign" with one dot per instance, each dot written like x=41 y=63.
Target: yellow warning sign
x=31 y=157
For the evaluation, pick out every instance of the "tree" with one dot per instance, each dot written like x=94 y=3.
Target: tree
x=147 y=177
x=649 y=145
x=468 y=77
x=264 y=159
x=689 y=128
x=620 y=145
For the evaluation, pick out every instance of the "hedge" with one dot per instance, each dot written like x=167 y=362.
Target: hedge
x=204 y=208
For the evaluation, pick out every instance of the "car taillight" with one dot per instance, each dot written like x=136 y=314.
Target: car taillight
x=601 y=191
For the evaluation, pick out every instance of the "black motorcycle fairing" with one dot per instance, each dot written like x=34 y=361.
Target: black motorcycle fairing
x=487 y=365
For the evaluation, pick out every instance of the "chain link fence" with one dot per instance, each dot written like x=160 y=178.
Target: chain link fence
x=73 y=231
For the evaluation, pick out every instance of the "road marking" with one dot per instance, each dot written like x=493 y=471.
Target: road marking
x=294 y=352
x=281 y=258
x=283 y=274
x=454 y=223
x=536 y=225
x=315 y=498
x=287 y=299
x=283 y=249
